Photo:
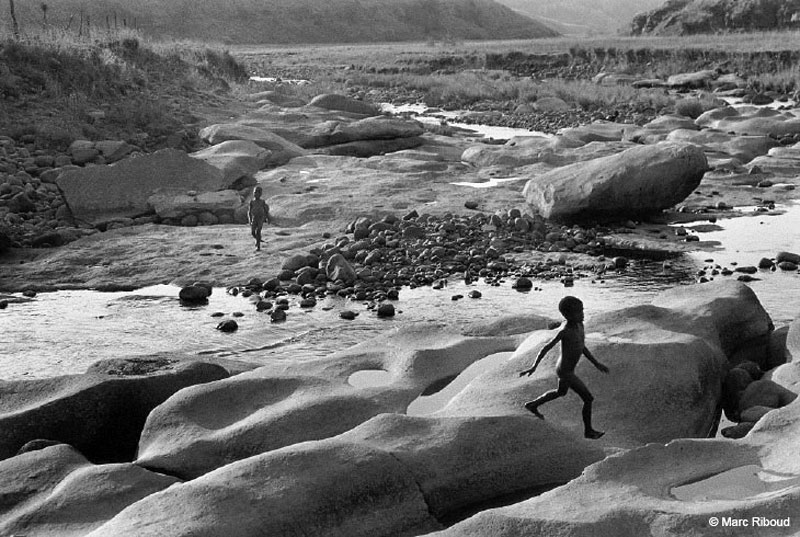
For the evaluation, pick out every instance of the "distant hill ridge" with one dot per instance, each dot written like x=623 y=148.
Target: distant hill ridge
x=583 y=16
x=298 y=21
x=682 y=17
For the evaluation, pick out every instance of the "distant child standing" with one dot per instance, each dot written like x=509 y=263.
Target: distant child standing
x=257 y=214
x=571 y=335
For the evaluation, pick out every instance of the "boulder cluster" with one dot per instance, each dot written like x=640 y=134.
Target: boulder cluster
x=293 y=447
x=376 y=258
x=50 y=199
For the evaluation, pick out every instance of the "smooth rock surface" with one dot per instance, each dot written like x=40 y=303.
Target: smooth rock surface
x=637 y=181
x=286 y=403
x=55 y=491
x=101 y=415
x=122 y=189
x=239 y=160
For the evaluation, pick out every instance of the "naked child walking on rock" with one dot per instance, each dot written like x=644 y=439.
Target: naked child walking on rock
x=572 y=338
x=257 y=214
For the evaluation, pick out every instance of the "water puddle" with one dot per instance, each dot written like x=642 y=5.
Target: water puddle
x=435 y=116
x=491 y=182
x=370 y=378
x=744 y=241
x=433 y=400
x=742 y=483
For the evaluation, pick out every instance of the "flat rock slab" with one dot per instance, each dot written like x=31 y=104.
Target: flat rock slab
x=722 y=144
x=97 y=193
x=178 y=205
x=752 y=120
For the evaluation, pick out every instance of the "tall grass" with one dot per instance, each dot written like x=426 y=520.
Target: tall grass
x=139 y=85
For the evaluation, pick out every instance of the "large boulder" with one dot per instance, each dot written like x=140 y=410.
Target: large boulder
x=741 y=326
x=553 y=152
x=100 y=414
x=688 y=487
x=285 y=403
x=121 y=190
x=281 y=150
x=779 y=160
x=239 y=160
x=56 y=491
x=178 y=205
x=718 y=144
x=370 y=148
x=655 y=358
x=393 y=475
x=694 y=80
x=639 y=180
x=334 y=101
x=671 y=490
x=752 y=121
x=599 y=131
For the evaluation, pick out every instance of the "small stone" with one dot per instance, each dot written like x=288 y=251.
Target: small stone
x=765 y=263
x=218 y=314
x=194 y=294
x=238 y=314
x=747 y=278
x=473 y=205
x=29 y=293
x=386 y=310
x=788 y=256
x=3 y=304
x=278 y=315
x=264 y=305
x=475 y=294
x=522 y=284
x=456 y=297
x=748 y=269
x=308 y=303
x=228 y=325
x=787 y=265
x=347 y=315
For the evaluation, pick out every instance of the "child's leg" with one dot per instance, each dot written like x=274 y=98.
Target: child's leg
x=580 y=388
x=258 y=235
x=533 y=406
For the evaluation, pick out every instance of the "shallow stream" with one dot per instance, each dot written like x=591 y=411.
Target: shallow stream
x=64 y=332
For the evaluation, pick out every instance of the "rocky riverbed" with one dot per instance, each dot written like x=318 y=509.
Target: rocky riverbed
x=366 y=206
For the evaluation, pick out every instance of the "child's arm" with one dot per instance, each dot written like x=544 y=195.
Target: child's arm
x=269 y=216
x=542 y=354
x=250 y=213
x=592 y=359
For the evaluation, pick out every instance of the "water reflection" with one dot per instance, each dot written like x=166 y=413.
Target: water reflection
x=64 y=332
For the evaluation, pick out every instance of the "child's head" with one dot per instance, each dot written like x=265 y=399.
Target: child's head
x=257 y=192
x=571 y=308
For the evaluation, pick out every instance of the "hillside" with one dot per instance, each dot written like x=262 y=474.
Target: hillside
x=683 y=17
x=583 y=17
x=295 y=21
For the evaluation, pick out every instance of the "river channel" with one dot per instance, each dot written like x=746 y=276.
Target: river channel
x=64 y=332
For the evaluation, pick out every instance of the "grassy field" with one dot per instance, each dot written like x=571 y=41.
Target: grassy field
x=465 y=73
x=54 y=82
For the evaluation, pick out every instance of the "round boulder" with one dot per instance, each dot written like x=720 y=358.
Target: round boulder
x=194 y=294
